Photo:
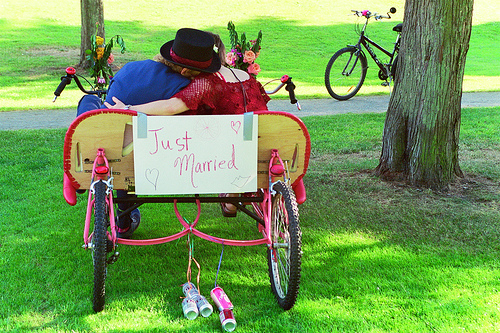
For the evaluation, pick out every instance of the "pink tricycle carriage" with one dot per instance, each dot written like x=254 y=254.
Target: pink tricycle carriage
x=104 y=151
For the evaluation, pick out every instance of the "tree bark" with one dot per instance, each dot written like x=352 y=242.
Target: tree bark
x=92 y=13
x=422 y=126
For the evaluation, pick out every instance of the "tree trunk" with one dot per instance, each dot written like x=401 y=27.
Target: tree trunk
x=421 y=133
x=92 y=14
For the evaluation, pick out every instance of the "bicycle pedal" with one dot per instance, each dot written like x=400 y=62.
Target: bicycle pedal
x=111 y=260
x=385 y=84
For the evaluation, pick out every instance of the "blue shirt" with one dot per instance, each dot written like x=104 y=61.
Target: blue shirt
x=145 y=81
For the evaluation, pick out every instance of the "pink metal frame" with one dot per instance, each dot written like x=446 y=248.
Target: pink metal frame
x=101 y=171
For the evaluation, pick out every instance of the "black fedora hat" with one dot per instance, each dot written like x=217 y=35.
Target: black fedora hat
x=192 y=49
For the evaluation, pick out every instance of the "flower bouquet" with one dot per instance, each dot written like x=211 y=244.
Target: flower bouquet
x=101 y=58
x=243 y=53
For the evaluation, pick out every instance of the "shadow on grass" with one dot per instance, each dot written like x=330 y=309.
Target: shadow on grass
x=35 y=57
x=376 y=256
x=416 y=250
x=52 y=42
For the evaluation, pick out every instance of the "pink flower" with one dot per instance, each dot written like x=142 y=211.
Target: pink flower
x=101 y=80
x=253 y=69
x=231 y=58
x=249 y=57
x=111 y=58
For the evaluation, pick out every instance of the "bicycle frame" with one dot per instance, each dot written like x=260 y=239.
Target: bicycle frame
x=102 y=172
x=366 y=42
x=98 y=158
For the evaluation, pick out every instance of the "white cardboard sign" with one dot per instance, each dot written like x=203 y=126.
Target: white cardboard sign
x=195 y=154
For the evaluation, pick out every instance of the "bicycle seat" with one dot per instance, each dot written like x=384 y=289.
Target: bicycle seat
x=398 y=27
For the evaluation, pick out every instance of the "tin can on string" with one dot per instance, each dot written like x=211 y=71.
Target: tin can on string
x=220 y=299
x=189 y=289
x=204 y=307
x=227 y=320
x=189 y=308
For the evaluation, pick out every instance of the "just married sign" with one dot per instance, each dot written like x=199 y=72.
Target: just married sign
x=195 y=154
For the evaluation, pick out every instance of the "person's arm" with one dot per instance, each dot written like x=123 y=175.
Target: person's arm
x=166 y=107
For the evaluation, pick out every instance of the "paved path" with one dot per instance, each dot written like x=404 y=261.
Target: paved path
x=34 y=119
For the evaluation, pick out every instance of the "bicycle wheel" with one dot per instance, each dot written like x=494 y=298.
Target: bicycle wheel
x=284 y=257
x=99 y=242
x=345 y=73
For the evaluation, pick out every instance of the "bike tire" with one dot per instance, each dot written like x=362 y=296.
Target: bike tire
x=284 y=261
x=99 y=244
x=341 y=85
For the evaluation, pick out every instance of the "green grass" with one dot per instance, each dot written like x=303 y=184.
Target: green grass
x=40 y=39
x=378 y=257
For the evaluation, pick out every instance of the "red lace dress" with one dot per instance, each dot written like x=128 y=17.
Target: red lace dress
x=211 y=94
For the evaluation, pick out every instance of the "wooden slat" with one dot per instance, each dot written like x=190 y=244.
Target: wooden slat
x=102 y=131
x=285 y=134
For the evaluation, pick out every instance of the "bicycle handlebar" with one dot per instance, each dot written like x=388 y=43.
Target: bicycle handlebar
x=290 y=87
x=286 y=81
x=65 y=80
x=368 y=14
x=71 y=74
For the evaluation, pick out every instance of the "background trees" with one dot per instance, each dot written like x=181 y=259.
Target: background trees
x=92 y=13
x=421 y=133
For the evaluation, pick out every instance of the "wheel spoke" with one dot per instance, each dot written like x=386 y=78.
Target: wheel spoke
x=283 y=267
x=345 y=73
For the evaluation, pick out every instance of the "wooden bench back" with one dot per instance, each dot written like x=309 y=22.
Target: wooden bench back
x=112 y=130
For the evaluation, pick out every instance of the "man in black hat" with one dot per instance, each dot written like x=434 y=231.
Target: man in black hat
x=139 y=82
x=192 y=49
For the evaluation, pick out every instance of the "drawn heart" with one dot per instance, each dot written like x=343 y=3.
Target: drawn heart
x=235 y=125
x=152 y=176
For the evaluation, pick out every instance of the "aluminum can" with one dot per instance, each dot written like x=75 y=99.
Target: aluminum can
x=220 y=299
x=227 y=320
x=190 y=290
x=189 y=308
x=204 y=307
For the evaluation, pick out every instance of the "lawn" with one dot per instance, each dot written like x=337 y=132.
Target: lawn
x=40 y=39
x=378 y=256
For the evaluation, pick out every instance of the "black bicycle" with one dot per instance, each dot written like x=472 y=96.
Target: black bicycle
x=346 y=70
